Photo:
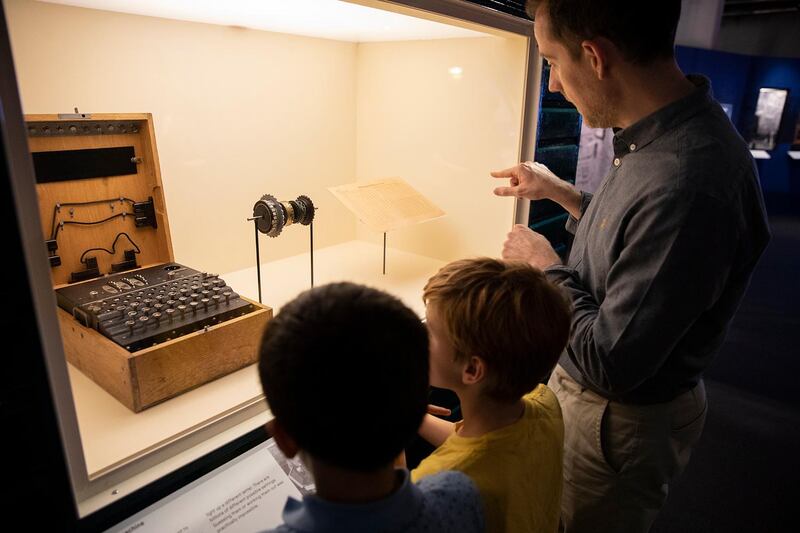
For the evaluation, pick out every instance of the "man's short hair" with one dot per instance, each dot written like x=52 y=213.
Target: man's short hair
x=506 y=313
x=345 y=371
x=643 y=31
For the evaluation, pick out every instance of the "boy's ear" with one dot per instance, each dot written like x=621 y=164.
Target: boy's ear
x=474 y=371
x=284 y=441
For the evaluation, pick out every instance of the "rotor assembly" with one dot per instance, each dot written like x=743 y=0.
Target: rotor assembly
x=272 y=215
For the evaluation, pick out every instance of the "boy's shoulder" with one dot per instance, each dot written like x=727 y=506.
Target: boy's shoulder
x=443 y=502
x=454 y=500
x=544 y=419
x=449 y=483
x=543 y=400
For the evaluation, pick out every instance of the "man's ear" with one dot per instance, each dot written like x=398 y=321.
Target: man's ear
x=284 y=441
x=474 y=371
x=598 y=52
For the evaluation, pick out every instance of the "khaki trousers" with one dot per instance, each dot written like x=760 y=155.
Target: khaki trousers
x=619 y=459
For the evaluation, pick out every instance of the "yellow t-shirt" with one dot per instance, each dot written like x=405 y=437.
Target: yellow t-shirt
x=517 y=469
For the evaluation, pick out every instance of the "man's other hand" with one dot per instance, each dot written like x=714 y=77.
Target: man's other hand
x=524 y=244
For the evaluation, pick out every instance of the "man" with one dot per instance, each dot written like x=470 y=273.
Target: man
x=662 y=254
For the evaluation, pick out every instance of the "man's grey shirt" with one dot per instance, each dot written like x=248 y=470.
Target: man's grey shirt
x=663 y=253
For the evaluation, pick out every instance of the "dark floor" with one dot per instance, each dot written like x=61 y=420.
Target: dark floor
x=744 y=472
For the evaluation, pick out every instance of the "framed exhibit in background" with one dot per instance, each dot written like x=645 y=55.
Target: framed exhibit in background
x=769 y=111
x=594 y=157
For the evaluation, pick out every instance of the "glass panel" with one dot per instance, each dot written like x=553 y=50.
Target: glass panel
x=240 y=113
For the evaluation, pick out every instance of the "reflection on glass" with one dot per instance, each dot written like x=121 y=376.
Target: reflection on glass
x=456 y=72
x=769 y=110
x=294 y=468
x=594 y=157
x=292 y=114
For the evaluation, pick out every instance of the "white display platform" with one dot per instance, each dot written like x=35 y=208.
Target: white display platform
x=760 y=154
x=114 y=436
x=794 y=154
x=356 y=261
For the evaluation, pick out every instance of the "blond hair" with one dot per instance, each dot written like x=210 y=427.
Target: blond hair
x=506 y=313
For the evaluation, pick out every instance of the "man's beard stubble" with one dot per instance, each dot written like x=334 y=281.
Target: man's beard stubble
x=596 y=111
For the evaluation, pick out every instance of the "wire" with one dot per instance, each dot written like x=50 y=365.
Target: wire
x=58 y=206
x=113 y=249
x=112 y=217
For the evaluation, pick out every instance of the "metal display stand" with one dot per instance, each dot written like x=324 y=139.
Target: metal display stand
x=270 y=216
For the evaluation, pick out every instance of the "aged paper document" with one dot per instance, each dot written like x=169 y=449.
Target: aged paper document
x=386 y=204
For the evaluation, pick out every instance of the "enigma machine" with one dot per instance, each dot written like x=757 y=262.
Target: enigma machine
x=140 y=325
x=153 y=305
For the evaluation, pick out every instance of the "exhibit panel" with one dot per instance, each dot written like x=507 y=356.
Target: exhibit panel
x=769 y=112
x=256 y=131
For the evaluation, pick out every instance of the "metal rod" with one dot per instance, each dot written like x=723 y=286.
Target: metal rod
x=384 y=253
x=258 y=263
x=311 y=233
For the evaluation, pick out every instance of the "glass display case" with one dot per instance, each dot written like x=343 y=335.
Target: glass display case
x=261 y=98
x=557 y=147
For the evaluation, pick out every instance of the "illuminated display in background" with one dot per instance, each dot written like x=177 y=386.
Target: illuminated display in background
x=769 y=110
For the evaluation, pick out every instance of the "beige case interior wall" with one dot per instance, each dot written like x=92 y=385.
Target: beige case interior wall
x=442 y=114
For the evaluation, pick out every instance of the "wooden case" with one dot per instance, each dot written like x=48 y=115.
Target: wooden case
x=146 y=377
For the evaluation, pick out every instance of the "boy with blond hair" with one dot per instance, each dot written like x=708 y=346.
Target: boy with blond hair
x=496 y=330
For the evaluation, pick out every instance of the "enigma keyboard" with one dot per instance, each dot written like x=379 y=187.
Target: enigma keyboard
x=152 y=305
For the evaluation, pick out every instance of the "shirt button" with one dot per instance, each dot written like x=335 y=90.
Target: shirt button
x=632 y=147
x=617 y=161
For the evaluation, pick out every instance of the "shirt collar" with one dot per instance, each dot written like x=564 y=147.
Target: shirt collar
x=398 y=511
x=648 y=129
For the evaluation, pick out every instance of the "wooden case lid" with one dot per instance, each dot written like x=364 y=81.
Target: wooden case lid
x=111 y=195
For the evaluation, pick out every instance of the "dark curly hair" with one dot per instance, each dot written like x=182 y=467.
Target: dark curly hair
x=345 y=371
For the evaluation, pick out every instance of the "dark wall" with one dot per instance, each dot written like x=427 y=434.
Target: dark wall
x=771 y=34
x=725 y=70
x=736 y=79
x=781 y=174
